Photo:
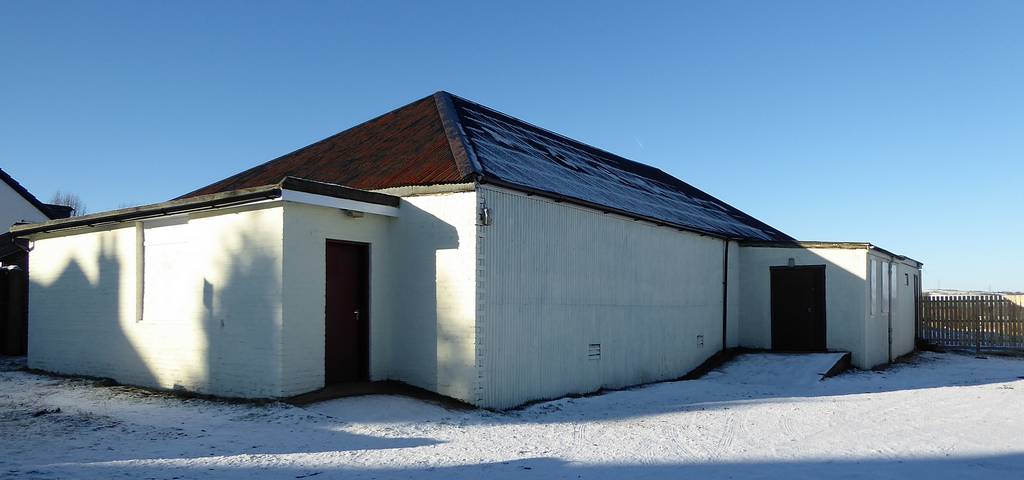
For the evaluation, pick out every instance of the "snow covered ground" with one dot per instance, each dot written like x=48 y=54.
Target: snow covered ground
x=760 y=416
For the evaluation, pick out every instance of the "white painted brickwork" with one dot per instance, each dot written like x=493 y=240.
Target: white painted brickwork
x=434 y=342
x=217 y=328
x=548 y=299
x=421 y=296
x=307 y=228
x=234 y=303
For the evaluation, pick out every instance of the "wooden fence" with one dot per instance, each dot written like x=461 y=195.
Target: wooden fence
x=977 y=321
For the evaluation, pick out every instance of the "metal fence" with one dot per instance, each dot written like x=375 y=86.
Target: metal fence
x=975 y=321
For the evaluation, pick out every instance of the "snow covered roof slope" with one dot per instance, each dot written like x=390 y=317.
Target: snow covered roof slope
x=446 y=139
x=521 y=155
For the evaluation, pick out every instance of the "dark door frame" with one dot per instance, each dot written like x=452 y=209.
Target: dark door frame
x=823 y=298
x=364 y=300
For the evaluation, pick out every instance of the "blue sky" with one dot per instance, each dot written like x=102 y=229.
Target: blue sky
x=899 y=123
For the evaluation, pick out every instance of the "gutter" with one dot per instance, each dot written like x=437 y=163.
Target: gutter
x=209 y=202
x=892 y=287
x=601 y=208
x=840 y=245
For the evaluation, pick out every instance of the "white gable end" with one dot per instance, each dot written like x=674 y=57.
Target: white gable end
x=14 y=208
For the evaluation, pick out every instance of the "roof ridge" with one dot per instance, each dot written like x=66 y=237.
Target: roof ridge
x=443 y=138
x=656 y=174
x=463 y=152
x=563 y=137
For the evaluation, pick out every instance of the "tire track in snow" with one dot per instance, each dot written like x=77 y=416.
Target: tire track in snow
x=728 y=435
x=579 y=431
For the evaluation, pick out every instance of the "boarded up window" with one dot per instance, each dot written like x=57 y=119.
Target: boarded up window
x=873 y=276
x=885 y=287
x=167 y=269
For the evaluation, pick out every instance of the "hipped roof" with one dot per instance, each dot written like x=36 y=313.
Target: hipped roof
x=445 y=139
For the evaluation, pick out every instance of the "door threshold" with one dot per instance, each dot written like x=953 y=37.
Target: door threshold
x=384 y=387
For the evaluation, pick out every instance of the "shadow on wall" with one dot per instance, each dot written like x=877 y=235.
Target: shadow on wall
x=80 y=322
x=239 y=311
x=215 y=331
x=850 y=325
x=428 y=342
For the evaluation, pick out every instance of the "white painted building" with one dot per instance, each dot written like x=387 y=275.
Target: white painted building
x=867 y=291
x=18 y=205
x=453 y=248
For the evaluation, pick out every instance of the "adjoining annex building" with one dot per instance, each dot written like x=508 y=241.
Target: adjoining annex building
x=454 y=248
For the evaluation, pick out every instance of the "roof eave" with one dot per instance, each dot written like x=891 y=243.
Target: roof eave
x=834 y=245
x=207 y=202
x=606 y=209
x=203 y=202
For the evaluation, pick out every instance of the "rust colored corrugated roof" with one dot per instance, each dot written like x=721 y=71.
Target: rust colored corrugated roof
x=407 y=146
x=446 y=139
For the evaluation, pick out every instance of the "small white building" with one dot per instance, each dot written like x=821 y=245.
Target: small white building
x=454 y=248
x=861 y=299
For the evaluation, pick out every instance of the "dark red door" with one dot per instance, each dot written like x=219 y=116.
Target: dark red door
x=798 y=308
x=346 y=349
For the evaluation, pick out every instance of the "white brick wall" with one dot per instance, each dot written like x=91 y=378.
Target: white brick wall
x=307 y=228
x=434 y=267
x=239 y=310
x=221 y=339
x=421 y=293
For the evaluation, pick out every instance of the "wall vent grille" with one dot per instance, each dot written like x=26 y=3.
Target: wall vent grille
x=594 y=351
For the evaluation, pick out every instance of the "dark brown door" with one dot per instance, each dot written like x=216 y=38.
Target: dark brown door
x=347 y=331
x=798 y=308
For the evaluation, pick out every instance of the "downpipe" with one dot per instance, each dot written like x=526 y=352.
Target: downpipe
x=891 y=283
x=725 y=295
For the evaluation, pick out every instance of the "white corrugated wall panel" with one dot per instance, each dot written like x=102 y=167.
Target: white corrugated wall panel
x=554 y=278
